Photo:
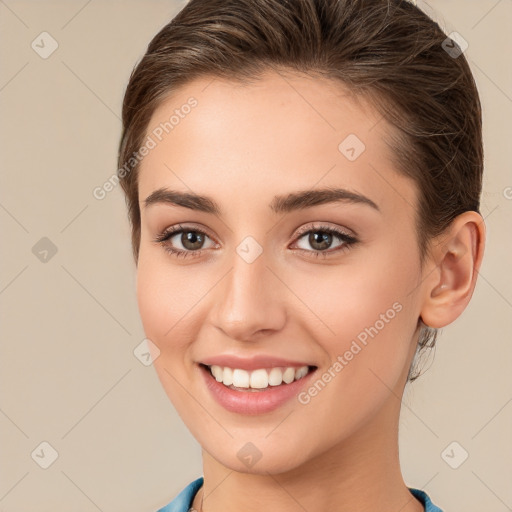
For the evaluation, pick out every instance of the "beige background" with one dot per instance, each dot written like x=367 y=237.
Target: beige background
x=69 y=325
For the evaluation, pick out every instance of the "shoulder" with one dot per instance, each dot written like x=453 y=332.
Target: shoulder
x=424 y=499
x=183 y=501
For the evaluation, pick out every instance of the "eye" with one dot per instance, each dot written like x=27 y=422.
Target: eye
x=320 y=238
x=182 y=241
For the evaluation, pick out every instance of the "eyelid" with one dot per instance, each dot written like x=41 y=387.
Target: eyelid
x=172 y=230
x=319 y=225
x=302 y=230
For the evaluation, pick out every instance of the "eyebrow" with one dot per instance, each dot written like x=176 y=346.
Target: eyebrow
x=295 y=201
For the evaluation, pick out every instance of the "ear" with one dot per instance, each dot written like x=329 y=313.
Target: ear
x=455 y=259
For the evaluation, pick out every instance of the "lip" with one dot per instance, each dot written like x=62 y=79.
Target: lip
x=253 y=402
x=251 y=363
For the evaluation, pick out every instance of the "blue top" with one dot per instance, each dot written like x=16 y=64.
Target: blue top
x=183 y=502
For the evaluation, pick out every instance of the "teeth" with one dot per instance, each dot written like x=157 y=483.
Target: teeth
x=257 y=379
x=275 y=377
x=289 y=375
x=240 y=378
x=226 y=376
x=217 y=372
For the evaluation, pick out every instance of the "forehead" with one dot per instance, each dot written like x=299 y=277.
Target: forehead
x=281 y=132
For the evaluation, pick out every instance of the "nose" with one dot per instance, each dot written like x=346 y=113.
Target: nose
x=249 y=301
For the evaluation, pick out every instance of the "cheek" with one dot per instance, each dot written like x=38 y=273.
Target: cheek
x=344 y=301
x=163 y=304
x=170 y=301
x=164 y=296
x=365 y=313
x=364 y=321
x=155 y=306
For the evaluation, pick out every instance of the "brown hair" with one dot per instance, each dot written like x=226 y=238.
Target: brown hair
x=388 y=51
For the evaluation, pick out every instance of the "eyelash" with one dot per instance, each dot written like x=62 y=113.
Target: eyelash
x=348 y=240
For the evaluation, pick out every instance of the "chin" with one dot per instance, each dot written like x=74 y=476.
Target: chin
x=258 y=457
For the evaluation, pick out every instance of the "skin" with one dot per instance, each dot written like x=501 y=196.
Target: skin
x=241 y=146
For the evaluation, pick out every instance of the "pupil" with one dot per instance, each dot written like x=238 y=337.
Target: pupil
x=324 y=240
x=190 y=238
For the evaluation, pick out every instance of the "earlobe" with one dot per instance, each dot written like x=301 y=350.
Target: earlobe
x=456 y=259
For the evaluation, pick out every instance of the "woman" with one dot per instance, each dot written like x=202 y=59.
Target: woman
x=303 y=183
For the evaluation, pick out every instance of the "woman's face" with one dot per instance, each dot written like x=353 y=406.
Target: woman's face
x=269 y=280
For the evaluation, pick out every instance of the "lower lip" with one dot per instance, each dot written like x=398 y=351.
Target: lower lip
x=253 y=402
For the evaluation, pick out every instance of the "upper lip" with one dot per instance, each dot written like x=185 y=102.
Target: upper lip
x=251 y=363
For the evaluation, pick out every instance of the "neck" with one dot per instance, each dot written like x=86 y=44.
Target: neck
x=360 y=473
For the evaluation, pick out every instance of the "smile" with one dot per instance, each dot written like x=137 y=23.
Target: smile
x=261 y=378
x=257 y=391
